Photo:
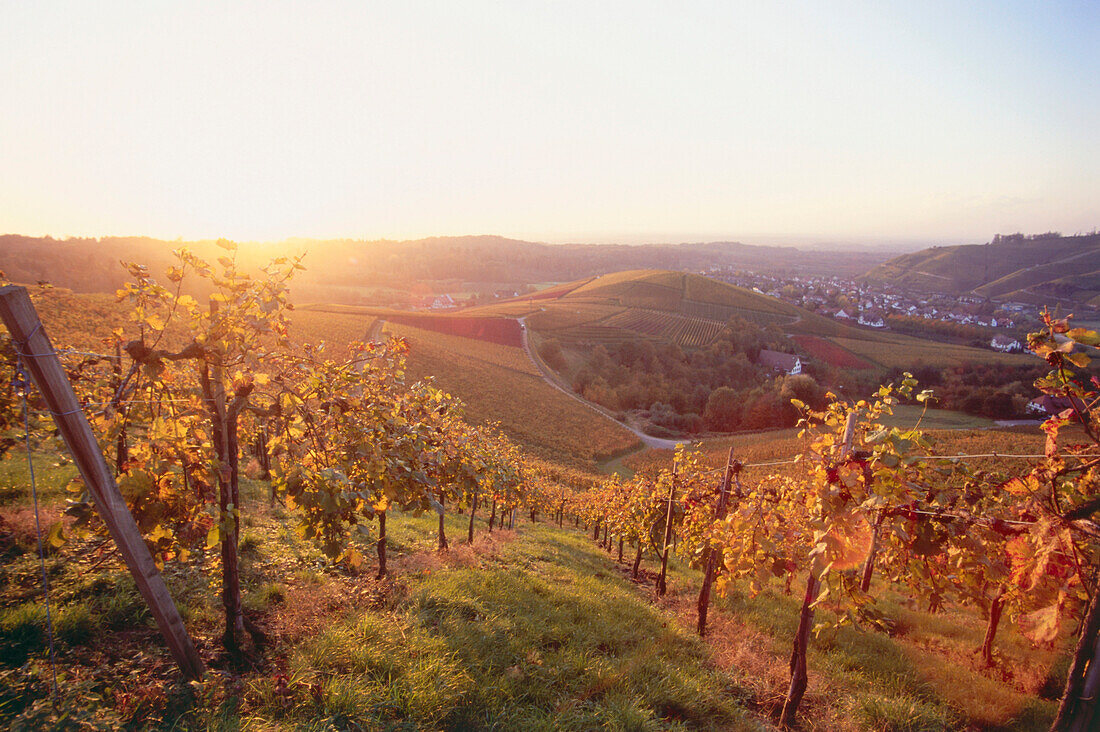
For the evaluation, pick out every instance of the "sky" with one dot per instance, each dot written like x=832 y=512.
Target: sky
x=762 y=122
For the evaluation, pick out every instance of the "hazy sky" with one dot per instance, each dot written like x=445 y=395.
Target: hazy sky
x=557 y=121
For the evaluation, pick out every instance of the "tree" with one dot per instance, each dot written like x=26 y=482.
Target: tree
x=723 y=410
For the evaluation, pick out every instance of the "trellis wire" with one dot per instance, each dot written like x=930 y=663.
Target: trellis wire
x=25 y=383
x=995 y=455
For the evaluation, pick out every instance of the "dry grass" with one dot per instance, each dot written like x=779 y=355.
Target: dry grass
x=18 y=528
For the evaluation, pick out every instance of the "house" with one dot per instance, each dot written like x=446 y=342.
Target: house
x=842 y=314
x=872 y=320
x=1050 y=405
x=442 y=302
x=785 y=362
x=1005 y=343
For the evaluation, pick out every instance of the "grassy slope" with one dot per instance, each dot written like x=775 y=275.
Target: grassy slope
x=536 y=629
x=500 y=384
x=995 y=269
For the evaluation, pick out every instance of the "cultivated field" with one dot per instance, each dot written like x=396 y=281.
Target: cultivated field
x=500 y=384
x=950 y=435
x=897 y=351
x=678 y=328
x=830 y=352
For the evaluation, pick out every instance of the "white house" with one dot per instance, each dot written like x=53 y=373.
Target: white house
x=1005 y=343
x=786 y=362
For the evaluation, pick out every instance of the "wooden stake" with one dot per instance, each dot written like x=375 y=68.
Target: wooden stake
x=41 y=361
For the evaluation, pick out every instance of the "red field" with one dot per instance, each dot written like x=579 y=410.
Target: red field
x=503 y=331
x=830 y=353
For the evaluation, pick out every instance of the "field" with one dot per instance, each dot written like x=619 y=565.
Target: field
x=335 y=329
x=705 y=289
x=951 y=433
x=78 y=320
x=678 y=328
x=504 y=331
x=684 y=308
x=754 y=447
x=1004 y=270
x=563 y=317
x=830 y=352
x=906 y=416
x=500 y=384
x=903 y=352
x=532 y=629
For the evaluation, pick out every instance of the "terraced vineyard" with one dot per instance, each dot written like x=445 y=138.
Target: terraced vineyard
x=681 y=329
x=684 y=308
x=500 y=384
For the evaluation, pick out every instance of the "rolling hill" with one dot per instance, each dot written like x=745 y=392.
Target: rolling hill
x=354 y=270
x=1041 y=269
x=692 y=310
x=688 y=309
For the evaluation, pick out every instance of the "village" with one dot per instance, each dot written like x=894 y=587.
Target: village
x=1000 y=326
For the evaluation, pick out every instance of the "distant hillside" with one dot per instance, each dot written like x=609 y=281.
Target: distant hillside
x=685 y=308
x=351 y=271
x=1041 y=269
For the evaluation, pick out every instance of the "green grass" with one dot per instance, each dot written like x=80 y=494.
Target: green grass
x=52 y=473
x=544 y=635
x=907 y=416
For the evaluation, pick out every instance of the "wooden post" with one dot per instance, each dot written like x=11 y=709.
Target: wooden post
x=799 y=677
x=41 y=361
x=711 y=562
x=1078 y=704
x=661 y=586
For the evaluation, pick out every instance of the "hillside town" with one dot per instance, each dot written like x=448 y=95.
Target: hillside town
x=1000 y=325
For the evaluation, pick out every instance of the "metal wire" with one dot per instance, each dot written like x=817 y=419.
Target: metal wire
x=38 y=530
x=995 y=455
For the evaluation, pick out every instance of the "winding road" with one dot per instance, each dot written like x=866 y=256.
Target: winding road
x=648 y=440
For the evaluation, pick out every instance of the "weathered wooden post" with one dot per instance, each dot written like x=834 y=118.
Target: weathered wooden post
x=42 y=364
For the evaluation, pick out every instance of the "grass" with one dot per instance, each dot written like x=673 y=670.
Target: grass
x=539 y=634
x=907 y=416
x=951 y=433
x=534 y=629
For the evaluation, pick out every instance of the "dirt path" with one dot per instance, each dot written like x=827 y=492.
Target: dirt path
x=613 y=464
x=647 y=440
